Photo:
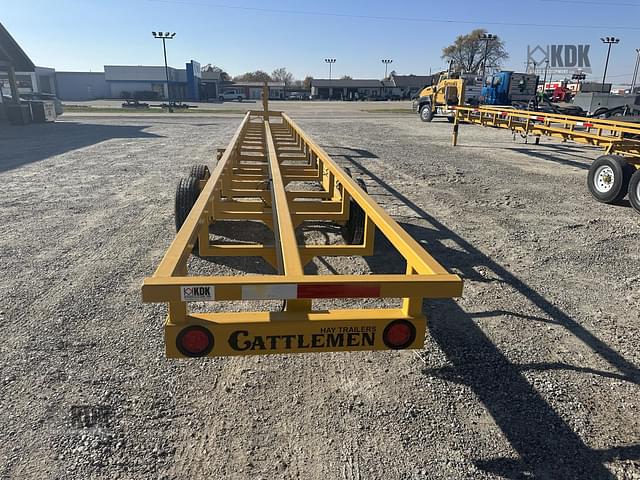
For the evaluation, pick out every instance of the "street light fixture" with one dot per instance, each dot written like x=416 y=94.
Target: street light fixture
x=165 y=36
x=487 y=37
x=610 y=41
x=386 y=64
x=330 y=61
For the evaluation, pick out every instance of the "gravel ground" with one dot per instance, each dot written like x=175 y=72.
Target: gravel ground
x=532 y=374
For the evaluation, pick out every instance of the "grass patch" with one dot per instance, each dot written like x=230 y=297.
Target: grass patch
x=387 y=110
x=91 y=109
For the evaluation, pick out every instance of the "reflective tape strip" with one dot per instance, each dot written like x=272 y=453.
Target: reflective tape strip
x=291 y=291
x=584 y=124
x=338 y=291
x=540 y=119
x=269 y=292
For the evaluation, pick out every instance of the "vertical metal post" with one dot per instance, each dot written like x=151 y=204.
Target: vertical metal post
x=606 y=65
x=166 y=72
x=635 y=71
x=265 y=101
x=13 y=85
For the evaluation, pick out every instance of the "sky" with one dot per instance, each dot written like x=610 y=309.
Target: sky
x=246 y=35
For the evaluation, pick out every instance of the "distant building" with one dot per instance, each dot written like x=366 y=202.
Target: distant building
x=140 y=81
x=346 y=89
x=210 y=81
x=394 y=87
x=81 y=86
x=409 y=85
x=253 y=90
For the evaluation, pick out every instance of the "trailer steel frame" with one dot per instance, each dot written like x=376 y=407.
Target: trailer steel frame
x=268 y=152
x=620 y=140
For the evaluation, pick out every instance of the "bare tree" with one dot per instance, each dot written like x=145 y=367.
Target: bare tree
x=346 y=77
x=468 y=51
x=257 y=76
x=306 y=83
x=224 y=76
x=282 y=75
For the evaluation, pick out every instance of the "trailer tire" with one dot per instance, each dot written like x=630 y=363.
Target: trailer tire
x=426 y=113
x=187 y=193
x=634 y=190
x=200 y=171
x=608 y=178
x=353 y=230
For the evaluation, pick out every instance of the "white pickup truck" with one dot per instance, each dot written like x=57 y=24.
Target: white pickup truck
x=232 y=95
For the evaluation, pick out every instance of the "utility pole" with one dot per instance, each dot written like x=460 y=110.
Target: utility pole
x=610 y=41
x=165 y=36
x=487 y=37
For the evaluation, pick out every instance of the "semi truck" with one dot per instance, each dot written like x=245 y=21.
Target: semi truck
x=509 y=88
x=501 y=88
x=438 y=99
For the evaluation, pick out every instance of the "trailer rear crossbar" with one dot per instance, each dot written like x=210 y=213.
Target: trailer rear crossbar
x=267 y=153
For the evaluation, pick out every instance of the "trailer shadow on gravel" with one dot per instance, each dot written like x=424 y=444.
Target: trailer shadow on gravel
x=546 y=444
x=40 y=141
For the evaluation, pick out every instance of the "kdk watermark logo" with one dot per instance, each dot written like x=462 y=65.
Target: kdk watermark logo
x=563 y=59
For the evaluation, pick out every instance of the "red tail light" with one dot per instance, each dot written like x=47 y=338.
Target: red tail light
x=194 y=341
x=399 y=334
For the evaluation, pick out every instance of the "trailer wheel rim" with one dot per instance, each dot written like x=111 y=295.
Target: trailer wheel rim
x=638 y=191
x=604 y=179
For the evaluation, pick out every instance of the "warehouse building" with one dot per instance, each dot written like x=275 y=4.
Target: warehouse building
x=253 y=90
x=346 y=89
x=80 y=86
x=409 y=85
x=130 y=81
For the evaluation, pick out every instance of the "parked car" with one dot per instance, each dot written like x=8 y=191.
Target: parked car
x=232 y=95
x=57 y=103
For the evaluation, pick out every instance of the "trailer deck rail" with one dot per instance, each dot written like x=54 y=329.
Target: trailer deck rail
x=610 y=178
x=250 y=182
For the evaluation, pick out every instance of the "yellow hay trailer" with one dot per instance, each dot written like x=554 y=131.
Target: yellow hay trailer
x=249 y=183
x=611 y=177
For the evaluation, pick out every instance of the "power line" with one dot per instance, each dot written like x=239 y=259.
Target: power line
x=402 y=19
x=601 y=4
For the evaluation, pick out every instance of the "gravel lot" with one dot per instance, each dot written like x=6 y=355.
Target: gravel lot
x=532 y=374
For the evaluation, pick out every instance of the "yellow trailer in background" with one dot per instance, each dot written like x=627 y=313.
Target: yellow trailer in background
x=252 y=182
x=611 y=177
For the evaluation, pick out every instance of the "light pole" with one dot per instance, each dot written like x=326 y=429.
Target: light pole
x=610 y=41
x=386 y=64
x=487 y=37
x=635 y=72
x=330 y=61
x=165 y=36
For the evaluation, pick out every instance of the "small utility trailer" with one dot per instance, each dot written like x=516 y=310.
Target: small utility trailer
x=252 y=182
